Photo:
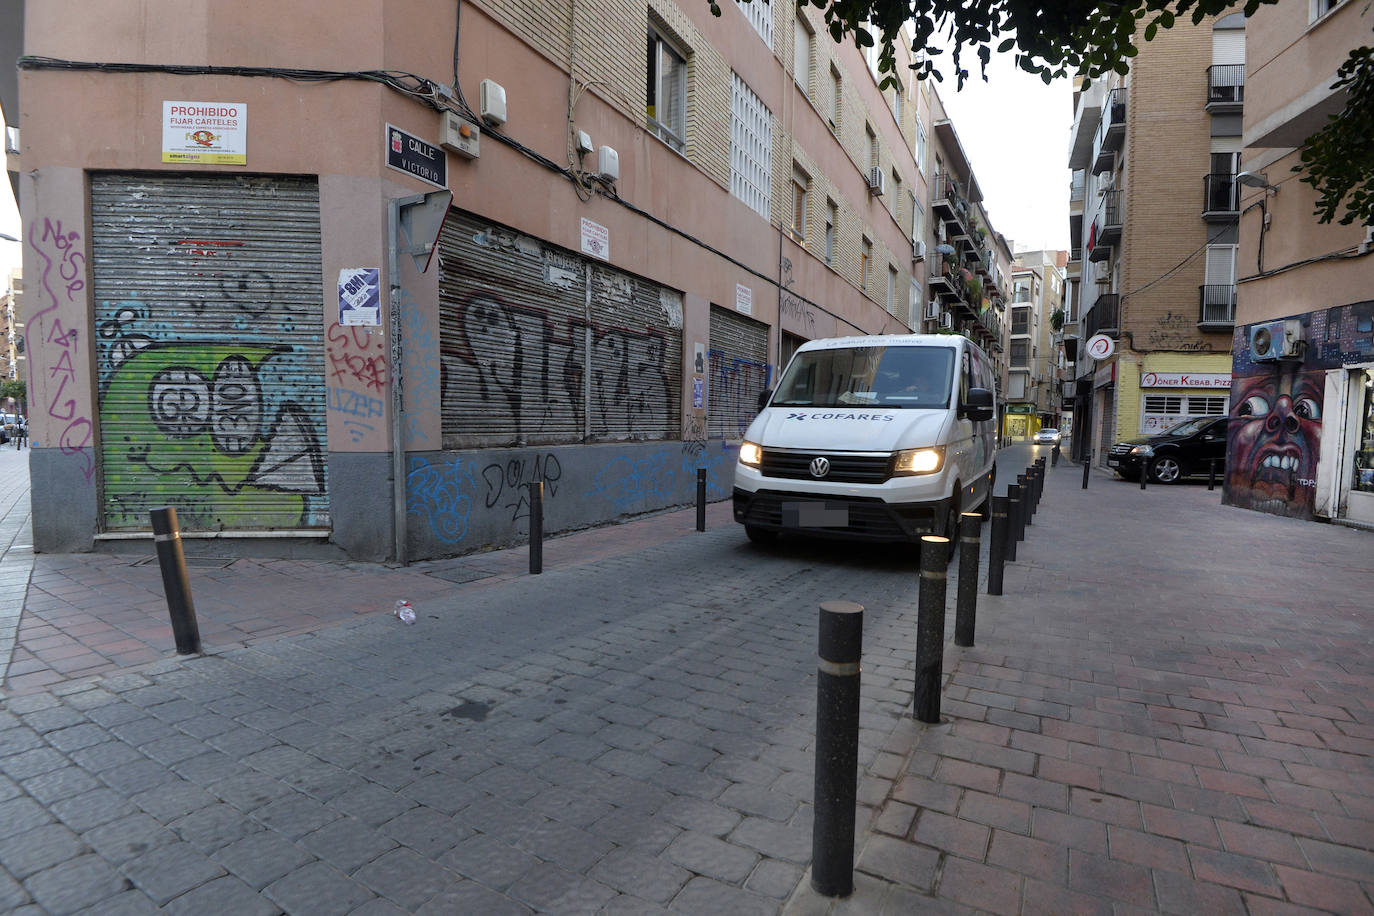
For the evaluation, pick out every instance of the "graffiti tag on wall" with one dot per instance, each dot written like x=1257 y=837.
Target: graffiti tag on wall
x=57 y=386
x=529 y=365
x=357 y=374
x=735 y=387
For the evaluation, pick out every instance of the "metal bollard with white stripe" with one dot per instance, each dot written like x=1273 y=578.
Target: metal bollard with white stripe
x=837 y=747
x=930 y=628
x=172 y=561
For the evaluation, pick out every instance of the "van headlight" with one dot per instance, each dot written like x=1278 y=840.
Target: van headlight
x=911 y=461
x=1144 y=451
x=750 y=453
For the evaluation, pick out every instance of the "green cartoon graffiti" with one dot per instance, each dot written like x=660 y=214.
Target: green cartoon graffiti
x=191 y=425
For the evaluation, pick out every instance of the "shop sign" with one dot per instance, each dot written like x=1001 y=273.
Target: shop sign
x=1220 y=380
x=1105 y=375
x=408 y=153
x=209 y=133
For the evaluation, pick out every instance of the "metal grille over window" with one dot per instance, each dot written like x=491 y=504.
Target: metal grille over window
x=751 y=147
x=760 y=16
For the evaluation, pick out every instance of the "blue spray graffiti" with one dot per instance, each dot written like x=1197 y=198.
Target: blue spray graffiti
x=438 y=493
x=422 y=367
x=627 y=482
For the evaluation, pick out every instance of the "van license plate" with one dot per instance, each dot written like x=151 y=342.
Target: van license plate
x=1112 y=462
x=814 y=515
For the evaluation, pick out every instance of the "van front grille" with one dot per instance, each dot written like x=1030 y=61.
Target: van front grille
x=843 y=468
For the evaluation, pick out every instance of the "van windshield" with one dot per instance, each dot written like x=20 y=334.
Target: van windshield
x=902 y=376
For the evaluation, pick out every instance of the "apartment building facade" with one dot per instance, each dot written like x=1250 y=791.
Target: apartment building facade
x=1034 y=359
x=1302 y=403
x=296 y=343
x=11 y=327
x=1153 y=232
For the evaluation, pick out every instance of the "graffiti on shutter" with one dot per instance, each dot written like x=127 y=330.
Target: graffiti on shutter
x=539 y=346
x=739 y=372
x=209 y=350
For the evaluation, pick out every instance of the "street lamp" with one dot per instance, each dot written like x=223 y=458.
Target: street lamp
x=9 y=238
x=1257 y=180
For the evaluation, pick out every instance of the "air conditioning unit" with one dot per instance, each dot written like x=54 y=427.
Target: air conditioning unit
x=946 y=320
x=918 y=249
x=933 y=309
x=1271 y=340
x=877 y=181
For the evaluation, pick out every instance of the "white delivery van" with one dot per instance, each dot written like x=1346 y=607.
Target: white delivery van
x=883 y=438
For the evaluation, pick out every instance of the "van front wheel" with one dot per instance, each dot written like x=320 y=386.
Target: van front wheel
x=952 y=524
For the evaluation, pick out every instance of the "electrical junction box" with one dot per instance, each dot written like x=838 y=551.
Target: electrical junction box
x=608 y=163
x=584 y=143
x=492 y=102
x=460 y=135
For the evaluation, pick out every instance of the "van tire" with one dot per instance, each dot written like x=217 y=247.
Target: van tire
x=952 y=523
x=760 y=535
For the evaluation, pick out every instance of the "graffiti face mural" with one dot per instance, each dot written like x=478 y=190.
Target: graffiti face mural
x=190 y=424
x=1274 y=445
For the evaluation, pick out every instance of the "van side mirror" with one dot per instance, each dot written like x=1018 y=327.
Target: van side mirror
x=764 y=395
x=977 y=405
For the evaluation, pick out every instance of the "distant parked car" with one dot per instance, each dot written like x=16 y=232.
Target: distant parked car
x=1047 y=436
x=1184 y=449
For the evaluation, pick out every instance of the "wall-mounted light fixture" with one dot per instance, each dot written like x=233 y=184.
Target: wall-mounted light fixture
x=1257 y=180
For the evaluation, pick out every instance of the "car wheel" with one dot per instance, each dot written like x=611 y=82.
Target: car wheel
x=760 y=535
x=952 y=524
x=1166 y=469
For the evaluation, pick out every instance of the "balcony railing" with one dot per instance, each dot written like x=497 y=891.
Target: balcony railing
x=1106 y=230
x=1225 y=88
x=1076 y=189
x=1076 y=253
x=1110 y=132
x=948 y=201
x=1103 y=316
x=1216 y=306
x=1220 y=196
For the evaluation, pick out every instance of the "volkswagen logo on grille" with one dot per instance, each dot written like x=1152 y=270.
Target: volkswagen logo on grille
x=820 y=466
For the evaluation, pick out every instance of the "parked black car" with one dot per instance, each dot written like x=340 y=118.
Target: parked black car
x=1181 y=450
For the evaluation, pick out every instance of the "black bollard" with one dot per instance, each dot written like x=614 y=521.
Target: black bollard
x=1212 y=474
x=701 y=499
x=172 y=561
x=1013 y=519
x=837 y=748
x=997 y=549
x=536 y=527
x=1039 y=480
x=930 y=628
x=1027 y=503
x=1054 y=456
x=1087 y=466
x=1144 y=474
x=966 y=598
x=1044 y=466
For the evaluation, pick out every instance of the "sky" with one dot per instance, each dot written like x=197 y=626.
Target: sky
x=1015 y=131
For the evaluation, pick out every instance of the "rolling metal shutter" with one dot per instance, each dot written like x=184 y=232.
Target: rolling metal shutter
x=209 y=350
x=739 y=371
x=521 y=322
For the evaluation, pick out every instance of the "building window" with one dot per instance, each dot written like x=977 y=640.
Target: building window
x=1022 y=293
x=760 y=16
x=1321 y=7
x=921 y=147
x=897 y=196
x=897 y=105
x=1160 y=411
x=836 y=93
x=801 y=53
x=666 y=112
x=918 y=220
x=891 y=289
x=872 y=146
x=801 y=185
x=751 y=147
x=832 y=219
x=865 y=259
x=1020 y=354
x=1020 y=321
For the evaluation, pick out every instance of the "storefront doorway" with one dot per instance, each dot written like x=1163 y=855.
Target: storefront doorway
x=1360 y=507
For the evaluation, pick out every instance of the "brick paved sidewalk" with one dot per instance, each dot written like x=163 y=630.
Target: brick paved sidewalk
x=1170 y=709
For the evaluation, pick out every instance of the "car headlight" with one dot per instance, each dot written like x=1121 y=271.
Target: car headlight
x=750 y=453
x=1144 y=451
x=912 y=461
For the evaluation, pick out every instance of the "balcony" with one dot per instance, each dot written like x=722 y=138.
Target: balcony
x=945 y=278
x=1225 y=88
x=1216 y=307
x=1111 y=132
x=1106 y=230
x=1075 y=253
x=1220 y=197
x=949 y=204
x=1103 y=317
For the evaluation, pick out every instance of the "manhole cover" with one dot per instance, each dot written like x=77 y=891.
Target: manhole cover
x=196 y=562
x=461 y=575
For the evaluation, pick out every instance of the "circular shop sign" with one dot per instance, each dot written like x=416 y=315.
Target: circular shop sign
x=1100 y=346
